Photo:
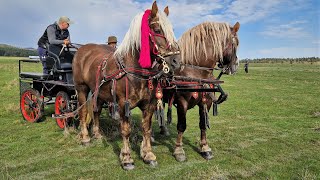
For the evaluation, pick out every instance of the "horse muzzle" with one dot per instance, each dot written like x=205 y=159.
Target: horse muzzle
x=173 y=63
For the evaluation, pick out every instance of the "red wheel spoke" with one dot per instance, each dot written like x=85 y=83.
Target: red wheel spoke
x=30 y=105
x=28 y=98
x=32 y=115
x=61 y=107
x=36 y=113
x=28 y=95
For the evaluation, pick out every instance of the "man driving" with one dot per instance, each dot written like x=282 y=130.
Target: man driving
x=55 y=34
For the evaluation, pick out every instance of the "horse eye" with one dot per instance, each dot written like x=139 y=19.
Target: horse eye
x=158 y=31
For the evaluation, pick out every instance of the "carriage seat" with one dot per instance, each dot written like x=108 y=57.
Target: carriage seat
x=32 y=75
x=65 y=66
x=65 y=59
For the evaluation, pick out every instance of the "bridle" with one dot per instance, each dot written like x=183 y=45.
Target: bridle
x=231 y=46
x=156 y=50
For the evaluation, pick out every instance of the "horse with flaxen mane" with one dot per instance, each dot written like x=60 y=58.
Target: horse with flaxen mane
x=116 y=76
x=202 y=47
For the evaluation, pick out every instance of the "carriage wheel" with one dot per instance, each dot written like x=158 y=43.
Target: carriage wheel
x=31 y=105
x=62 y=106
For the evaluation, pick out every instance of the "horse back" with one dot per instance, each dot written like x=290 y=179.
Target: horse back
x=86 y=62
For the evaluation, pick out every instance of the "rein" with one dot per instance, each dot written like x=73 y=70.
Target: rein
x=159 y=54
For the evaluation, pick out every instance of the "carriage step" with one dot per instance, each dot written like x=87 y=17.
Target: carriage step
x=33 y=75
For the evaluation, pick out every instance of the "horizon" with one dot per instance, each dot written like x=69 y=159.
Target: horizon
x=269 y=29
x=276 y=58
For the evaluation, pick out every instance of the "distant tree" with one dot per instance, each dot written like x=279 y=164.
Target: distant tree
x=283 y=60
x=6 y=50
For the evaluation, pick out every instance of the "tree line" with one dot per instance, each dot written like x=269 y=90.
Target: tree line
x=7 y=50
x=282 y=60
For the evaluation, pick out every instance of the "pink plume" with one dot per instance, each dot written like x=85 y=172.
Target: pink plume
x=145 y=61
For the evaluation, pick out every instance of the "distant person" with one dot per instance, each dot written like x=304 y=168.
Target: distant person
x=246 y=67
x=55 y=34
x=112 y=41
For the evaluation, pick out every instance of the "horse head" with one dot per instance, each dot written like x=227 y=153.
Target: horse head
x=230 y=58
x=163 y=47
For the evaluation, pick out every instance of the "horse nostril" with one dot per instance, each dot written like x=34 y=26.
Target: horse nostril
x=174 y=61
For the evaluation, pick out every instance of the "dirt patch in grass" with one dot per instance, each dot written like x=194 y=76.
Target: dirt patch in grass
x=11 y=84
x=316 y=114
x=11 y=108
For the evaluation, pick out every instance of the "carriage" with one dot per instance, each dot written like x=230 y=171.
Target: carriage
x=37 y=90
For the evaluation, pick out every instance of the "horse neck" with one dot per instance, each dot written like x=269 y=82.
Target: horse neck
x=131 y=59
x=212 y=56
x=206 y=56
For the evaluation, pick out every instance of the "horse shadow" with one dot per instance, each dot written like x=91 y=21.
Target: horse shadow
x=170 y=141
x=111 y=130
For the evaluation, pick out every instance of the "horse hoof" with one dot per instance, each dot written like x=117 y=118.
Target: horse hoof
x=116 y=116
x=98 y=136
x=165 y=132
x=180 y=157
x=85 y=143
x=128 y=166
x=152 y=139
x=207 y=155
x=151 y=163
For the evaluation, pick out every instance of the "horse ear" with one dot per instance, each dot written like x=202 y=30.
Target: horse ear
x=236 y=27
x=166 y=10
x=154 y=9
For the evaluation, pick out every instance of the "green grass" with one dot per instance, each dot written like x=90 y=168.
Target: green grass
x=269 y=128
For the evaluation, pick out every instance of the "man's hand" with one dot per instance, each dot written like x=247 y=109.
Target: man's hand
x=66 y=41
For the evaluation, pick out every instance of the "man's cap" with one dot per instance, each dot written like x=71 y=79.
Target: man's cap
x=112 y=39
x=65 y=19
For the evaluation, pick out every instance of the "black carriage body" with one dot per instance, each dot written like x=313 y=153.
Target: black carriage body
x=49 y=86
x=60 y=76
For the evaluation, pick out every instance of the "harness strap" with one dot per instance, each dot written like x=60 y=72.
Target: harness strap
x=199 y=67
x=115 y=108
x=95 y=97
x=127 y=104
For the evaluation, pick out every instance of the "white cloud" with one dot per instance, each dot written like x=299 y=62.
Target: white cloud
x=94 y=19
x=289 y=52
x=97 y=19
x=317 y=42
x=187 y=13
x=294 y=29
x=251 y=10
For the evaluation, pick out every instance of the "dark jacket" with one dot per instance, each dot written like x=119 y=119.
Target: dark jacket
x=53 y=35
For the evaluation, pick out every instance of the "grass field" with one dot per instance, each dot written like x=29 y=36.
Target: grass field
x=269 y=128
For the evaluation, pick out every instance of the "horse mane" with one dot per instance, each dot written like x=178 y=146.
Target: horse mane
x=194 y=42
x=132 y=39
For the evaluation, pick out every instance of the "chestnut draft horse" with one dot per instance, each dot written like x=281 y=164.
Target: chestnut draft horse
x=202 y=47
x=116 y=76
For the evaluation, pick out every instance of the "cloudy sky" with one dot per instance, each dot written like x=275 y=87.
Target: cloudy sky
x=269 y=28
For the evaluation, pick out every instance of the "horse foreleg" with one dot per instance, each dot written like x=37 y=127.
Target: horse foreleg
x=205 y=150
x=182 y=108
x=125 y=154
x=146 y=149
x=82 y=98
x=96 y=120
x=164 y=129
